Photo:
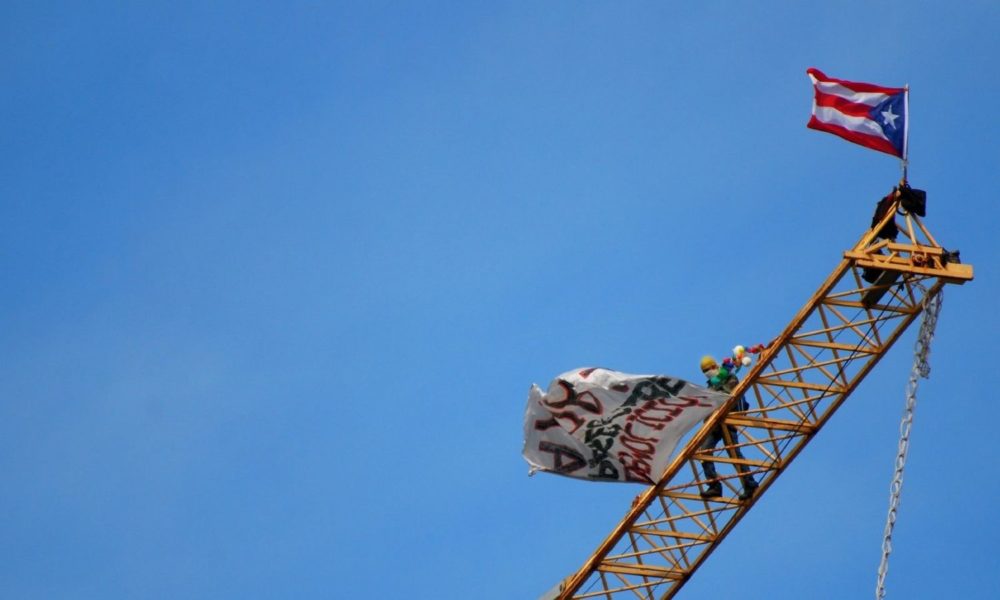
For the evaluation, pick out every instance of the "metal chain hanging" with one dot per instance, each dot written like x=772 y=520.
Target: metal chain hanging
x=921 y=368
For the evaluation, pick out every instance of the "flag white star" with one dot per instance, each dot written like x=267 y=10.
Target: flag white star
x=889 y=118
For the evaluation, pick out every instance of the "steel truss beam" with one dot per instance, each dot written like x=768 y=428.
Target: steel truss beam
x=798 y=383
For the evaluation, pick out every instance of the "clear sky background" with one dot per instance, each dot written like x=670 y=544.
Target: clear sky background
x=276 y=279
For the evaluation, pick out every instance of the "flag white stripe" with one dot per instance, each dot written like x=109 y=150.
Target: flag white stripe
x=835 y=89
x=863 y=125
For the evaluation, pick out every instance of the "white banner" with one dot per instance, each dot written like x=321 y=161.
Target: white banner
x=608 y=426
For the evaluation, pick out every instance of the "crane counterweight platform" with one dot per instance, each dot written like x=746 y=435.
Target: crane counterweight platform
x=878 y=289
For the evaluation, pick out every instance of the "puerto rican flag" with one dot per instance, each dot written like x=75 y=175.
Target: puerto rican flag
x=871 y=115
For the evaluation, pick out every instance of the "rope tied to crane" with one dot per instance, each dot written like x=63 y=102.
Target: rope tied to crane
x=921 y=368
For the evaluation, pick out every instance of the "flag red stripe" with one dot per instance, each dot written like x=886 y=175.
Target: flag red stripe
x=845 y=106
x=852 y=136
x=854 y=85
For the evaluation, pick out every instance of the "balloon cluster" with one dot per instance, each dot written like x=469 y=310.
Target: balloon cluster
x=741 y=356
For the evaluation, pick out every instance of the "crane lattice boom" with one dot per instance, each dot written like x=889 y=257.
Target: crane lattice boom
x=799 y=382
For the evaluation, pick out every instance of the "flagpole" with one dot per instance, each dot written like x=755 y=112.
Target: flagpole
x=906 y=128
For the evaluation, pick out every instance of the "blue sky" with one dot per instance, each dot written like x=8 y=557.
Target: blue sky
x=276 y=279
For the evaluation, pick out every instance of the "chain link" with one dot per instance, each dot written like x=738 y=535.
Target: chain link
x=921 y=368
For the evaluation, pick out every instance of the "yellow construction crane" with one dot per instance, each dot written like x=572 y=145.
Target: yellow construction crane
x=879 y=288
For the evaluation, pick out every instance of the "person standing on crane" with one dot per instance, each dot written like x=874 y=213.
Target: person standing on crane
x=723 y=380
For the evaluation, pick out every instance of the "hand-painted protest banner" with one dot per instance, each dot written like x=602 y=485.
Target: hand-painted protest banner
x=605 y=425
